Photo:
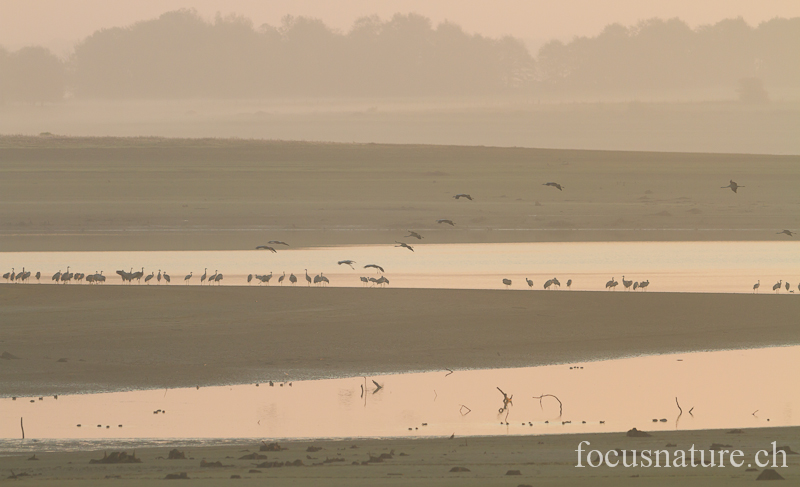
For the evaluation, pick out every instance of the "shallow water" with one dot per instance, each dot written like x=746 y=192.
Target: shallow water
x=668 y=266
x=726 y=389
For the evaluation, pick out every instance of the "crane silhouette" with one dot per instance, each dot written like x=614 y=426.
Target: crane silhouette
x=281 y=278
x=734 y=187
x=188 y=276
x=611 y=284
x=414 y=234
x=787 y=232
x=463 y=195
x=159 y=276
x=166 y=277
x=376 y=266
x=308 y=278
x=625 y=283
x=277 y=242
x=348 y=262
x=548 y=283
x=266 y=247
x=205 y=274
x=293 y=279
x=147 y=279
x=777 y=286
x=569 y=284
x=756 y=286
x=530 y=283
x=249 y=278
x=449 y=222
x=507 y=282
x=643 y=285
x=555 y=185
x=404 y=245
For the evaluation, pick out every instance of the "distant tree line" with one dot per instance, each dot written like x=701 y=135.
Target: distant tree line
x=182 y=55
x=668 y=54
x=31 y=75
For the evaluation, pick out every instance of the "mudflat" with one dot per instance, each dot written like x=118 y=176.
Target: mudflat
x=459 y=461
x=120 y=337
x=92 y=194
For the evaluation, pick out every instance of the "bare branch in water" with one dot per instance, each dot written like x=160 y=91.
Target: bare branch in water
x=560 y=404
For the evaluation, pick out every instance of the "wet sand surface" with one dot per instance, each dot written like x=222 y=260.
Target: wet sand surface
x=62 y=194
x=119 y=337
x=540 y=460
x=214 y=194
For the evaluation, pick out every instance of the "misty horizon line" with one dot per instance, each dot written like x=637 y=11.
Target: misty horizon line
x=64 y=56
x=181 y=55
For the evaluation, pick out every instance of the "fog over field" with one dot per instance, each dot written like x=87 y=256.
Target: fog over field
x=657 y=84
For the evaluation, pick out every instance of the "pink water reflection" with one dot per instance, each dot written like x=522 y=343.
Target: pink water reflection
x=723 y=390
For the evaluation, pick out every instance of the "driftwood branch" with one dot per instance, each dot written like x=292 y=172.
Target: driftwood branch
x=22 y=427
x=560 y=404
x=461 y=410
x=449 y=372
x=679 y=404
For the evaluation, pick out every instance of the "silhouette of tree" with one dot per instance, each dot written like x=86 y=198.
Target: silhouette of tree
x=751 y=90
x=31 y=75
x=668 y=54
x=181 y=55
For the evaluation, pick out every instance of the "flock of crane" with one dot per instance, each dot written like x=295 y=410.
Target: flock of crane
x=777 y=286
x=322 y=280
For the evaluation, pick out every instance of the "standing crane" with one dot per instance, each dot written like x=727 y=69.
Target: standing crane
x=625 y=283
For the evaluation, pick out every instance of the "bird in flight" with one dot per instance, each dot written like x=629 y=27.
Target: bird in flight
x=463 y=195
x=787 y=232
x=733 y=186
x=405 y=245
x=414 y=234
x=555 y=185
x=266 y=247
x=278 y=242
x=449 y=222
x=348 y=262
x=376 y=266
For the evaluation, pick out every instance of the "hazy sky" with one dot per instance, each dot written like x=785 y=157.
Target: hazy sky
x=58 y=24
